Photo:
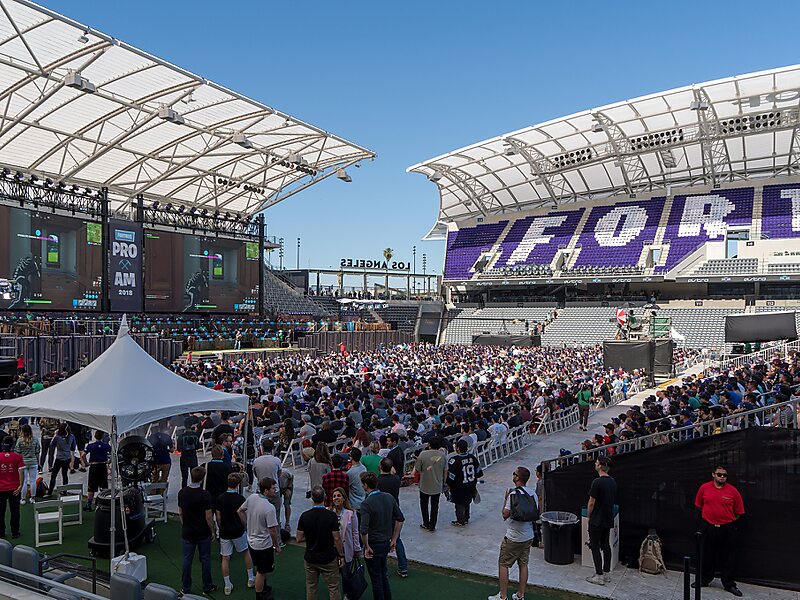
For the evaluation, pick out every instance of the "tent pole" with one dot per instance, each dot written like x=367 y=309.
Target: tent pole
x=114 y=468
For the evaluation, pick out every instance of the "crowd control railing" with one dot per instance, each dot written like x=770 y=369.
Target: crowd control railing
x=759 y=356
x=774 y=415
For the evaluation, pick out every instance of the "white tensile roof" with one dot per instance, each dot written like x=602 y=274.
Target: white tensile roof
x=83 y=107
x=705 y=134
x=126 y=385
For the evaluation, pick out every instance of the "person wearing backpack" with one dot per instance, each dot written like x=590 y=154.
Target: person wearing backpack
x=520 y=511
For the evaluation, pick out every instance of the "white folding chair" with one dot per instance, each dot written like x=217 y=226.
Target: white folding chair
x=47 y=513
x=71 y=498
x=155 y=502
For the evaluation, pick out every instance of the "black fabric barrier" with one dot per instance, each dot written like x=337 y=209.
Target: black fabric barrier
x=628 y=355
x=657 y=487
x=760 y=327
x=662 y=359
x=496 y=339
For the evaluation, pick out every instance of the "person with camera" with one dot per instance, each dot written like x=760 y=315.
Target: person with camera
x=520 y=511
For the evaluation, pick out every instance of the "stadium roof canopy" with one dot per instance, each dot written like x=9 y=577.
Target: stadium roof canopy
x=83 y=107
x=704 y=134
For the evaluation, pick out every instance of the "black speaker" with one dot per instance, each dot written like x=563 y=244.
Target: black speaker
x=8 y=368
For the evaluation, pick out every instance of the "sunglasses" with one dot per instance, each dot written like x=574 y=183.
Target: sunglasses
x=721 y=474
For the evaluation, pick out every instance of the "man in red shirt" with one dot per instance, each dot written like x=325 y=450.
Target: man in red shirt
x=720 y=507
x=12 y=467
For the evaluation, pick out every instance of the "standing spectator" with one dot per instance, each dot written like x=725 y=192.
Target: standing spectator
x=285 y=492
x=65 y=457
x=97 y=454
x=720 y=505
x=355 y=490
x=30 y=449
x=217 y=472
x=232 y=535
x=372 y=460
x=197 y=530
x=269 y=465
x=337 y=478
x=324 y=554
x=48 y=428
x=162 y=453
x=600 y=512
x=389 y=483
x=516 y=545
x=584 y=398
x=432 y=468
x=348 y=526
x=463 y=471
x=396 y=454
x=187 y=446
x=12 y=473
x=381 y=522
x=318 y=466
x=258 y=514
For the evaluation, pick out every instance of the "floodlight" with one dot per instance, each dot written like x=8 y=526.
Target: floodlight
x=84 y=39
x=192 y=211
x=75 y=187
x=435 y=176
x=168 y=207
x=181 y=209
x=34 y=178
x=241 y=140
x=293 y=158
x=75 y=81
x=204 y=212
x=699 y=105
x=597 y=127
x=170 y=115
x=342 y=174
x=510 y=150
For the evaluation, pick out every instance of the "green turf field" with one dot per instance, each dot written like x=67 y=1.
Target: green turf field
x=164 y=558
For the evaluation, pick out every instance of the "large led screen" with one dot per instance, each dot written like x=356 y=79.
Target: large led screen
x=49 y=261
x=192 y=273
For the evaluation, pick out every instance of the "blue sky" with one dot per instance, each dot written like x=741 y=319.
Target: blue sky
x=412 y=80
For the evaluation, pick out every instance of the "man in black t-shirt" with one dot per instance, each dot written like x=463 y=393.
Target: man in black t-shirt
x=324 y=555
x=389 y=483
x=600 y=511
x=197 y=530
x=217 y=472
x=232 y=535
x=188 y=442
x=396 y=454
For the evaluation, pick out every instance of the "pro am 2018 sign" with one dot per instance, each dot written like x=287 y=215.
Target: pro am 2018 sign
x=125 y=266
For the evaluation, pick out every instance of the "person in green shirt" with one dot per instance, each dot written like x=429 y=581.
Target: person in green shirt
x=372 y=461
x=584 y=402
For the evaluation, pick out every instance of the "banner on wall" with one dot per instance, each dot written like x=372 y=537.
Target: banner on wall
x=125 y=266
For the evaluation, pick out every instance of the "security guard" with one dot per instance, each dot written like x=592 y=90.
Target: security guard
x=720 y=507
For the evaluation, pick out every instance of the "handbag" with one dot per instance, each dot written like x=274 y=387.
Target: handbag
x=354 y=582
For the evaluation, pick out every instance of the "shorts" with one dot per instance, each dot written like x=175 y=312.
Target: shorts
x=287 y=497
x=226 y=547
x=263 y=560
x=514 y=552
x=98 y=477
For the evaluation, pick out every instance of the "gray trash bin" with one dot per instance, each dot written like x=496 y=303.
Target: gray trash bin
x=557 y=537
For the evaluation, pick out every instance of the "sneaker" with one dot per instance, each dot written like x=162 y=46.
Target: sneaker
x=457 y=523
x=21 y=502
x=228 y=589
x=733 y=590
x=497 y=596
x=210 y=590
x=423 y=526
x=514 y=596
x=596 y=579
x=251 y=583
x=403 y=574
x=607 y=577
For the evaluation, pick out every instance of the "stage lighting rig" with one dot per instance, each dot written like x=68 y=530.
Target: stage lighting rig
x=196 y=220
x=41 y=192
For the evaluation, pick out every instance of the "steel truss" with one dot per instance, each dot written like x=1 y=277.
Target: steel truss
x=38 y=193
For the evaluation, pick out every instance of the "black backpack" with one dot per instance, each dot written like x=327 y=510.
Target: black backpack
x=523 y=506
x=189 y=441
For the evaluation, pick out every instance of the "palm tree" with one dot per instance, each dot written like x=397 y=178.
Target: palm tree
x=388 y=253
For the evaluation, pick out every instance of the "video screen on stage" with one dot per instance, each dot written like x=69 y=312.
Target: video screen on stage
x=49 y=261
x=193 y=273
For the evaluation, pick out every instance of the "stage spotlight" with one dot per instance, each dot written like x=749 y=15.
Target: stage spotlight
x=228 y=215
x=19 y=175
x=84 y=39
x=168 y=208
x=156 y=204
x=435 y=176
x=216 y=214
x=342 y=174
x=181 y=209
x=61 y=185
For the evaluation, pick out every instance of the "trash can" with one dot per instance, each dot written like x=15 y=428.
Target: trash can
x=557 y=537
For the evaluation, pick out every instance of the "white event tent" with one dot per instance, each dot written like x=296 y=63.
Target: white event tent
x=124 y=388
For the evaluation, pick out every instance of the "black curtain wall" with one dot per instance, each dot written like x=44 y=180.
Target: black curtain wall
x=657 y=487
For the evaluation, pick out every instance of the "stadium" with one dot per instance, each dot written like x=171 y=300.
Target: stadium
x=620 y=284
